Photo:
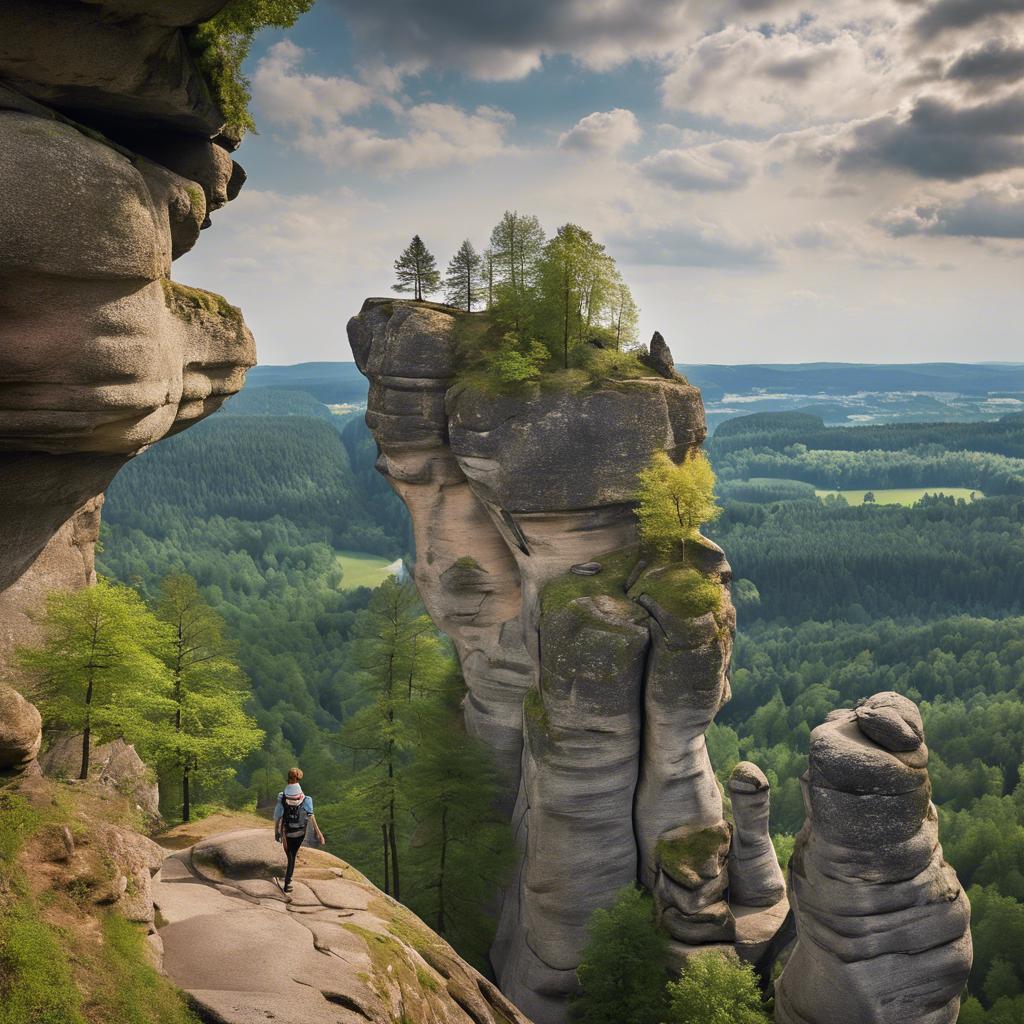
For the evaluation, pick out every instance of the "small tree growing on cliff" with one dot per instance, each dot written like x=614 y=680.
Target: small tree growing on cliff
x=209 y=730
x=416 y=270
x=675 y=500
x=101 y=666
x=716 y=987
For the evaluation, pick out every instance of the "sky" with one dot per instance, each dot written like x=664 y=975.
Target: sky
x=778 y=181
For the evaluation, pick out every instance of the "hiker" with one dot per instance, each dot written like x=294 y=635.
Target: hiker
x=293 y=814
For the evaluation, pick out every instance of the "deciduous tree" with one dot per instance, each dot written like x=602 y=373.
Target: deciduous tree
x=675 y=500
x=715 y=988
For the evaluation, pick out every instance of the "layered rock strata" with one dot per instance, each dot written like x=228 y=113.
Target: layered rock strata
x=111 y=160
x=882 y=922
x=622 y=664
x=338 y=951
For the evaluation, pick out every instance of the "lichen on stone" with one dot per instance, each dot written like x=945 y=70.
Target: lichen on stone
x=188 y=303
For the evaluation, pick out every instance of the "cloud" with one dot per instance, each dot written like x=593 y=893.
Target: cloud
x=986 y=213
x=602 y=132
x=961 y=14
x=750 y=76
x=698 y=244
x=507 y=39
x=313 y=114
x=992 y=64
x=716 y=167
x=939 y=139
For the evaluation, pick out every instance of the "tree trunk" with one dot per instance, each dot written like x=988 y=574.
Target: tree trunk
x=565 y=327
x=86 y=732
x=387 y=873
x=440 y=876
x=393 y=841
x=186 y=803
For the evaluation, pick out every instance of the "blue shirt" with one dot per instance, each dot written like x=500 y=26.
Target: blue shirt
x=307 y=805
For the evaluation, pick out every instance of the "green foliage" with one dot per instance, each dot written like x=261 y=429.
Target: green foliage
x=462 y=279
x=681 y=591
x=783 y=843
x=675 y=500
x=416 y=270
x=100 y=668
x=716 y=988
x=222 y=44
x=689 y=851
x=210 y=731
x=622 y=973
x=766 y=490
x=518 y=363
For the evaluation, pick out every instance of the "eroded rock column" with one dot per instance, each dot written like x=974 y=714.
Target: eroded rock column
x=882 y=921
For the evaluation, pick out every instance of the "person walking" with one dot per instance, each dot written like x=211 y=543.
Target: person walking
x=293 y=814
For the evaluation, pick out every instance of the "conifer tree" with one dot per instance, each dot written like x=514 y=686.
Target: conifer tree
x=463 y=849
x=462 y=281
x=210 y=730
x=398 y=656
x=101 y=665
x=416 y=270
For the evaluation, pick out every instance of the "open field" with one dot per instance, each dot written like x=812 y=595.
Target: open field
x=903 y=495
x=363 y=570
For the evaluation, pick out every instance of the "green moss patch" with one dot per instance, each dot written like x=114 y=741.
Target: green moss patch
x=533 y=708
x=188 y=303
x=610 y=581
x=683 y=592
x=683 y=853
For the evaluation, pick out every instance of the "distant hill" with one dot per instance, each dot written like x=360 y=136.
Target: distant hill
x=330 y=383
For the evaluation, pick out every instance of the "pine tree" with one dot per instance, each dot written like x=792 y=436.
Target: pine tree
x=211 y=730
x=399 y=657
x=462 y=282
x=517 y=243
x=463 y=850
x=100 y=667
x=622 y=974
x=416 y=270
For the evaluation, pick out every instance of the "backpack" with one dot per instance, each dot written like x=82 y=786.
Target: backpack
x=296 y=817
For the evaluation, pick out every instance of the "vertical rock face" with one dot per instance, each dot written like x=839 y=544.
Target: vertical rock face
x=622 y=669
x=882 y=922
x=108 y=169
x=755 y=879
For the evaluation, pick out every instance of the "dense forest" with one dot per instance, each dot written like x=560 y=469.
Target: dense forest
x=835 y=603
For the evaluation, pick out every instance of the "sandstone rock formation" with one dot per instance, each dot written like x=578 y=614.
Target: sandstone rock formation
x=882 y=922
x=110 y=162
x=338 y=952
x=755 y=879
x=116 y=765
x=21 y=730
x=620 y=669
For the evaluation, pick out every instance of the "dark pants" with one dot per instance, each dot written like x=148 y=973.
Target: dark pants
x=291 y=848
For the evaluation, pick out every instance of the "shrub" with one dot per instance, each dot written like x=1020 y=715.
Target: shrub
x=675 y=501
x=716 y=988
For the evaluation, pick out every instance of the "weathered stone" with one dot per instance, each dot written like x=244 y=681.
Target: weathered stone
x=115 y=764
x=304 y=962
x=659 y=357
x=882 y=922
x=755 y=878
x=21 y=729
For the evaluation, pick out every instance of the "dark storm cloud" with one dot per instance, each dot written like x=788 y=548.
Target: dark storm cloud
x=690 y=246
x=983 y=215
x=961 y=14
x=493 y=38
x=940 y=140
x=989 y=65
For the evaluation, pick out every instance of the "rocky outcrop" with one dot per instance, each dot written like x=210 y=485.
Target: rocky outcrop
x=110 y=163
x=115 y=765
x=21 y=730
x=337 y=952
x=522 y=508
x=755 y=878
x=882 y=922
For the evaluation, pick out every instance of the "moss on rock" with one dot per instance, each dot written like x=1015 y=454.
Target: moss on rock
x=188 y=303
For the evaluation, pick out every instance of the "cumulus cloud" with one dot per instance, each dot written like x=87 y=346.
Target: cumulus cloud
x=602 y=132
x=313 y=112
x=749 y=76
x=995 y=63
x=985 y=213
x=715 y=167
x=940 y=139
x=961 y=14
x=696 y=244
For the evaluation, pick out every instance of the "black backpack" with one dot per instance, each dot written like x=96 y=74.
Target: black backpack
x=296 y=817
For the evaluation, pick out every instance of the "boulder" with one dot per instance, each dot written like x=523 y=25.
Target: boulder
x=882 y=922
x=115 y=764
x=341 y=951
x=21 y=730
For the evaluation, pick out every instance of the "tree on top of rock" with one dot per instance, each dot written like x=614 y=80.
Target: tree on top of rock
x=462 y=281
x=416 y=270
x=675 y=501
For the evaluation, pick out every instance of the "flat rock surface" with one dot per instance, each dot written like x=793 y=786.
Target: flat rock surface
x=341 y=952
